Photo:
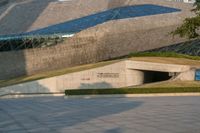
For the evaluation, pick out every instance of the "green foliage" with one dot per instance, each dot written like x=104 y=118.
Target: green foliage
x=189 y=28
x=191 y=25
x=132 y=91
x=197 y=7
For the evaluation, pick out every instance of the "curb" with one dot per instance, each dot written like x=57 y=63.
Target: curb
x=132 y=95
x=10 y=96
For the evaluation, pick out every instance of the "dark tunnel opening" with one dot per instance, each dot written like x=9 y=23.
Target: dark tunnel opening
x=156 y=76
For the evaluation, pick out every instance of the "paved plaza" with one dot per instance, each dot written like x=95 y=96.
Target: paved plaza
x=100 y=115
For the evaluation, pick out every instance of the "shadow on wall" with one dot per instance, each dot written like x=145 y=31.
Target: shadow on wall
x=14 y=65
x=20 y=15
x=25 y=88
x=95 y=85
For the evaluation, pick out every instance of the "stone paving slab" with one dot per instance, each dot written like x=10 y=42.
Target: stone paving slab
x=100 y=115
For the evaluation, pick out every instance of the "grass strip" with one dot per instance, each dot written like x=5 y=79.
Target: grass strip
x=132 y=91
x=163 y=54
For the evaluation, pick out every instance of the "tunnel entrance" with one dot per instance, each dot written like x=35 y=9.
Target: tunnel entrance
x=156 y=76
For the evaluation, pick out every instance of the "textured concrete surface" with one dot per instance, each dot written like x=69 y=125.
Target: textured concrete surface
x=19 y=14
x=101 y=115
x=80 y=24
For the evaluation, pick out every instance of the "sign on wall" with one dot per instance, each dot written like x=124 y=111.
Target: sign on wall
x=197 y=75
x=108 y=75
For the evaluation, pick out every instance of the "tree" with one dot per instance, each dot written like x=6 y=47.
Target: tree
x=191 y=26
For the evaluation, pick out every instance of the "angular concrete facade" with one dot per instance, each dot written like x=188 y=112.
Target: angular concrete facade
x=102 y=42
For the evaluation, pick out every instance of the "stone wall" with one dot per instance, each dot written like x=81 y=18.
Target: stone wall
x=102 y=42
x=81 y=50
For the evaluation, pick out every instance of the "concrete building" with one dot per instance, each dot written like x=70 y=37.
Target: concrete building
x=119 y=35
x=112 y=28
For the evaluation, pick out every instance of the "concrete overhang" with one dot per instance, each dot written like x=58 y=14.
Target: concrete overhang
x=149 y=66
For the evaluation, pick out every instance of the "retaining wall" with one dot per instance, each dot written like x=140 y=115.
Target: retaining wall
x=120 y=74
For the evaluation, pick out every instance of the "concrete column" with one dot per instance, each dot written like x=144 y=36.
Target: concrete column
x=134 y=77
